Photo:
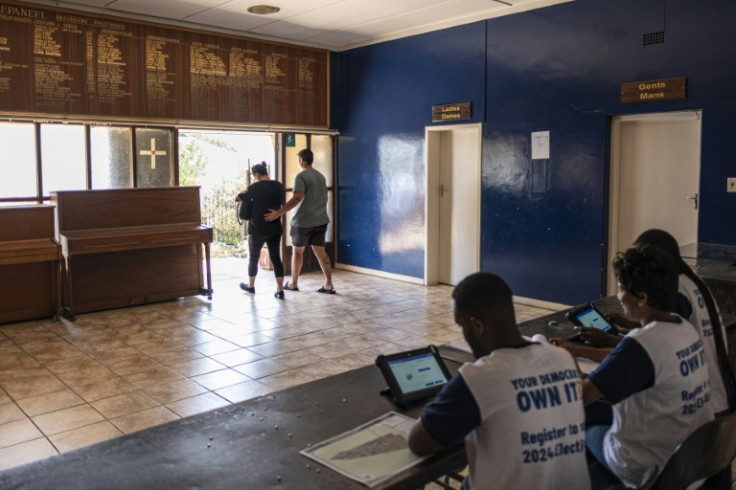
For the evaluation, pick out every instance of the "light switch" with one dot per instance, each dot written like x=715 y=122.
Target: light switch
x=731 y=184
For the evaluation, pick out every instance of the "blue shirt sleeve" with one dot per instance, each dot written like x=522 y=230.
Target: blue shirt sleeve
x=623 y=372
x=453 y=414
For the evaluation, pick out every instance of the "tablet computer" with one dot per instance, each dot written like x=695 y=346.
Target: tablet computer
x=413 y=375
x=588 y=315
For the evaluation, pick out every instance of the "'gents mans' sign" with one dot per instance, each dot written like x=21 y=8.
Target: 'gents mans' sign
x=652 y=90
x=451 y=112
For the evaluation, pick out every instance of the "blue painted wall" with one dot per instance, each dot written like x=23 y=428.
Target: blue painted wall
x=557 y=69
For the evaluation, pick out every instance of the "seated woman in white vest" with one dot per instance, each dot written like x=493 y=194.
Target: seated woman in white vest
x=656 y=377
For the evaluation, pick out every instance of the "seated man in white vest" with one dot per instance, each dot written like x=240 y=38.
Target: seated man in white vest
x=518 y=406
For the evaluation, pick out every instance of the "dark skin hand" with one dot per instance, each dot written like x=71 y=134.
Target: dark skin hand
x=597 y=338
x=621 y=321
x=578 y=350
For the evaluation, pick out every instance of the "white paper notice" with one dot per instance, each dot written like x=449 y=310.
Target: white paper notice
x=540 y=145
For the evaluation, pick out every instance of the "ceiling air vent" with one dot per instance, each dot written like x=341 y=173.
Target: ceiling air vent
x=653 y=38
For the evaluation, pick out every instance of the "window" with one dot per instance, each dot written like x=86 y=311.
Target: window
x=42 y=157
x=112 y=164
x=153 y=157
x=18 y=164
x=63 y=159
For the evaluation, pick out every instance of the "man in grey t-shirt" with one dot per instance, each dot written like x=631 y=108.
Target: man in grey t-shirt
x=309 y=224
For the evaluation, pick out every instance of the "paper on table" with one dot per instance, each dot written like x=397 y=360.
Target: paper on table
x=370 y=453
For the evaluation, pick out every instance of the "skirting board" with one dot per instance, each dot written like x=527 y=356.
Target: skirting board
x=416 y=280
x=540 y=304
x=377 y=273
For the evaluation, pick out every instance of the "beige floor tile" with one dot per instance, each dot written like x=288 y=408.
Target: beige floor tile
x=243 y=391
x=236 y=357
x=55 y=350
x=26 y=330
x=50 y=402
x=250 y=339
x=168 y=352
x=177 y=356
x=26 y=452
x=10 y=412
x=220 y=379
x=125 y=404
x=144 y=419
x=18 y=431
x=133 y=364
x=286 y=379
x=67 y=419
x=196 y=367
x=105 y=389
x=218 y=346
x=73 y=364
x=86 y=376
x=175 y=391
x=84 y=436
x=187 y=335
x=153 y=377
x=261 y=369
x=197 y=404
x=325 y=369
x=20 y=388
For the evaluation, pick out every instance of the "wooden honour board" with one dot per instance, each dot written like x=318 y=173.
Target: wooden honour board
x=55 y=61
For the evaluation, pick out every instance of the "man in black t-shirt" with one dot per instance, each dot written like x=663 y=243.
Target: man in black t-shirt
x=263 y=195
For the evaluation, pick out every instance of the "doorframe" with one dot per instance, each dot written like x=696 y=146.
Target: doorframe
x=614 y=187
x=432 y=135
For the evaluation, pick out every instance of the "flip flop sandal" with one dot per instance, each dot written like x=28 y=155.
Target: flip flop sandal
x=289 y=287
x=326 y=291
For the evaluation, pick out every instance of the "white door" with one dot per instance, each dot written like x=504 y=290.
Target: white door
x=655 y=178
x=453 y=200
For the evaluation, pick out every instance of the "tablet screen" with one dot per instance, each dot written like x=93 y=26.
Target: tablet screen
x=590 y=317
x=417 y=372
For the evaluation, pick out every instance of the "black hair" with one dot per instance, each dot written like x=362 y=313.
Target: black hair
x=648 y=269
x=260 y=168
x=668 y=243
x=484 y=296
x=306 y=155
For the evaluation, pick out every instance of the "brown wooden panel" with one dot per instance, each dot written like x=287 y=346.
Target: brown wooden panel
x=61 y=61
x=26 y=292
x=26 y=222
x=16 y=67
x=166 y=78
x=80 y=210
x=115 y=280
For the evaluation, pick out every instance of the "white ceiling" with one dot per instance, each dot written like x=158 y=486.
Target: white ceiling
x=330 y=24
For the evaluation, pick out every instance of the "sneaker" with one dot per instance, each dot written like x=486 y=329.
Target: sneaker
x=245 y=288
x=278 y=295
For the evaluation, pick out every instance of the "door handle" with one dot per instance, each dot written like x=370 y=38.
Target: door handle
x=442 y=190
x=695 y=199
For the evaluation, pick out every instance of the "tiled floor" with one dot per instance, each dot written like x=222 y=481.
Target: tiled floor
x=65 y=385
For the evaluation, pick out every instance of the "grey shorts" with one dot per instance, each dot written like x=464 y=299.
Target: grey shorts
x=314 y=235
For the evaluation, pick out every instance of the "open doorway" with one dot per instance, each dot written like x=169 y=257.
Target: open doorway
x=219 y=162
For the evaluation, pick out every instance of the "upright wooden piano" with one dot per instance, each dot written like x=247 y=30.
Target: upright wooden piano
x=30 y=264
x=126 y=247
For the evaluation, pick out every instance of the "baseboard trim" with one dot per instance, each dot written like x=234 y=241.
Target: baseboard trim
x=377 y=273
x=540 y=304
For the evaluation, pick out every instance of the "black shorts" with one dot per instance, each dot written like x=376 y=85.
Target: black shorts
x=314 y=235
